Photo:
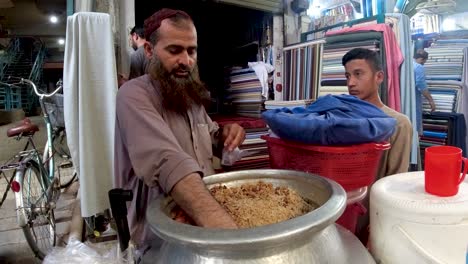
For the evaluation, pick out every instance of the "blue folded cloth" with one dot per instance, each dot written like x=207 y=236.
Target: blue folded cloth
x=332 y=120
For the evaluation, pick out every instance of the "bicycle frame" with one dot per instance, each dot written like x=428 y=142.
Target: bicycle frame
x=45 y=115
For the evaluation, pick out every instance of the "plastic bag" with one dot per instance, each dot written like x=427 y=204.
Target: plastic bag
x=89 y=253
x=230 y=157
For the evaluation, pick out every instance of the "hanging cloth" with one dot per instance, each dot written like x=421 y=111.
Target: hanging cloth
x=90 y=88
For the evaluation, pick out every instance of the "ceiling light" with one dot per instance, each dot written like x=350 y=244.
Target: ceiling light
x=449 y=24
x=53 y=19
x=61 y=41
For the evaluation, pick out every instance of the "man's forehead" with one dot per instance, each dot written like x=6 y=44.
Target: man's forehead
x=357 y=64
x=171 y=35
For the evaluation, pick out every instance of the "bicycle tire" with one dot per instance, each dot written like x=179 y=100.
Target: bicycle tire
x=40 y=228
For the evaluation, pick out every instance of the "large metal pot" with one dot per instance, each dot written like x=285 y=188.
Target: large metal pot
x=311 y=238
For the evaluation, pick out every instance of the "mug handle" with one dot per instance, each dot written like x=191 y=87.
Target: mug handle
x=465 y=169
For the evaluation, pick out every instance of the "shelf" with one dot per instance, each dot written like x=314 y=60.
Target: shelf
x=380 y=19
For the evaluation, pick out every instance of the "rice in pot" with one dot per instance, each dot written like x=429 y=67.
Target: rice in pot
x=258 y=204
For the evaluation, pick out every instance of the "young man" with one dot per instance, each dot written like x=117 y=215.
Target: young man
x=364 y=75
x=138 y=60
x=421 y=87
x=164 y=137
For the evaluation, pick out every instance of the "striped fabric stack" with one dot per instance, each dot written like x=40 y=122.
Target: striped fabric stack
x=245 y=93
x=443 y=129
x=446 y=60
x=446 y=96
x=445 y=75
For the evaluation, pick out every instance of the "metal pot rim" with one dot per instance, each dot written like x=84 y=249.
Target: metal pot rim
x=176 y=232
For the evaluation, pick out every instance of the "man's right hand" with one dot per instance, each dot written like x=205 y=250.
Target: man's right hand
x=193 y=197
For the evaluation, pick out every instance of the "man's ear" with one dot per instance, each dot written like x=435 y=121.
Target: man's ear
x=148 y=50
x=380 y=76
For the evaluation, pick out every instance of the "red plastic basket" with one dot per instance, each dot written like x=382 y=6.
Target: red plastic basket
x=352 y=166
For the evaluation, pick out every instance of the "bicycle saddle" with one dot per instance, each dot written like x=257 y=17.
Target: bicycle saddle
x=25 y=128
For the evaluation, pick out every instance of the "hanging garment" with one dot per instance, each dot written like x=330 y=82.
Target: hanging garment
x=332 y=120
x=90 y=88
x=262 y=70
x=402 y=30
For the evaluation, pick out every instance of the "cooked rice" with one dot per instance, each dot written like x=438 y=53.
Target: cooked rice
x=258 y=204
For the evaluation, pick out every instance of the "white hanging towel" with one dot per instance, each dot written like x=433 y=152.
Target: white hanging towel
x=262 y=70
x=90 y=88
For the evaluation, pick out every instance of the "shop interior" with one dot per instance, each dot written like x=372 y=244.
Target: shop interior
x=265 y=71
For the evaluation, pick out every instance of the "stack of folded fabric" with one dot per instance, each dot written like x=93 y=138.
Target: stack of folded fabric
x=446 y=96
x=244 y=91
x=441 y=129
x=446 y=60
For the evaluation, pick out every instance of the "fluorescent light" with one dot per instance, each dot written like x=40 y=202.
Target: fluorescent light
x=449 y=24
x=61 y=41
x=53 y=19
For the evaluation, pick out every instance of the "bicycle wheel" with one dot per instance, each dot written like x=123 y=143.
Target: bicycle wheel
x=39 y=228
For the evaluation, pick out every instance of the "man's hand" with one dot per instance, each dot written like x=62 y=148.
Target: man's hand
x=121 y=79
x=233 y=136
x=428 y=96
x=433 y=106
x=194 y=198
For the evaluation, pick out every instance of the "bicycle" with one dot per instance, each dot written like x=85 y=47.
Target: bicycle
x=35 y=182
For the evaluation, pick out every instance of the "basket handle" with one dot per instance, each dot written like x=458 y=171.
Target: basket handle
x=382 y=146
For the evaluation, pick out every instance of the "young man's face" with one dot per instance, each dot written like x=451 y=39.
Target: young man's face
x=362 y=80
x=177 y=48
x=133 y=41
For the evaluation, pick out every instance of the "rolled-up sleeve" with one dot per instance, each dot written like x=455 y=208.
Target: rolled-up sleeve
x=420 y=76
x=156 y=156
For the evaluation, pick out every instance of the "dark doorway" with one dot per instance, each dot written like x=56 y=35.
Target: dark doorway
x=222 y=29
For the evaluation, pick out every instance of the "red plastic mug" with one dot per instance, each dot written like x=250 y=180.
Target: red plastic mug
x=442 y=166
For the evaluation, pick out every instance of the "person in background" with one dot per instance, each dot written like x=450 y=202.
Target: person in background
x=138 y=60
x=420 y=57
x=164 y=138
x=364 y=74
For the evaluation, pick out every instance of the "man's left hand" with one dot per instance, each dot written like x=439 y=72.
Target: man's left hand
x=433 y=106
x=233 y=136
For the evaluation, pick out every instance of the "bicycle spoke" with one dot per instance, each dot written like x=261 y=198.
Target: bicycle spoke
x=40 y=230
x=8 y=186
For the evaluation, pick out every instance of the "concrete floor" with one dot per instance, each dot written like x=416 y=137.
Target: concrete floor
x=13 y=245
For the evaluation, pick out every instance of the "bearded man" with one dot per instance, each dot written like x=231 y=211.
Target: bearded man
x=164 y=138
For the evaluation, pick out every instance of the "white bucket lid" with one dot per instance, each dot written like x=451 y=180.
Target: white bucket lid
x=404 y=194
x=355 y=196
